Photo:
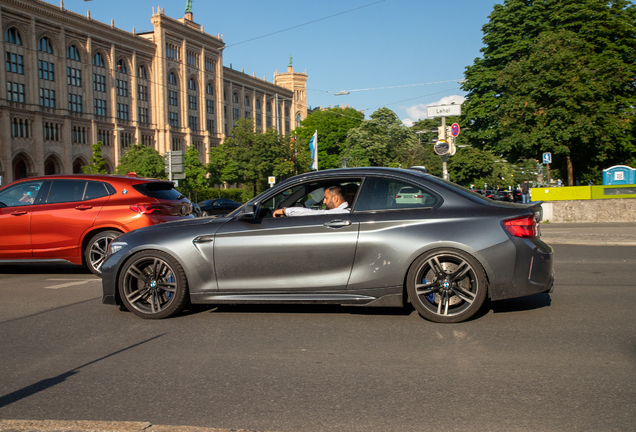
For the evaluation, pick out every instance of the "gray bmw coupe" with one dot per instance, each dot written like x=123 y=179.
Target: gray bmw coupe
x=400 y=236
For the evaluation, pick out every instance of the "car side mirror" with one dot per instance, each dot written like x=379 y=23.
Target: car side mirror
x=249 y=212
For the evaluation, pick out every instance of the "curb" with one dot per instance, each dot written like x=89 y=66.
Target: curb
x=99 y=426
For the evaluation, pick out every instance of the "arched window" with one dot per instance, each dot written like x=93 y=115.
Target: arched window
x=192 y=85
x=297 y=119
x=209 y=89
x=98 y=60
x=44 y=45
x=172 y=79
x=235 y=98
x=13 y=36
x=141 y=73
x=246 y=101
x=121 y=67
x=258 y=105
x=73 y=53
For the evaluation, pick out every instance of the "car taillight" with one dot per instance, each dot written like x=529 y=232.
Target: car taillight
x=156 y=209
x=398 y=196
x=525 y=227
x=418 y=196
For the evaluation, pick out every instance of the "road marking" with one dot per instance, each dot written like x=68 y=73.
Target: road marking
x=70 y=284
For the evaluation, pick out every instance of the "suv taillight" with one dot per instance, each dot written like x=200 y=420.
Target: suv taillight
x=157 y=209
x=524 y=227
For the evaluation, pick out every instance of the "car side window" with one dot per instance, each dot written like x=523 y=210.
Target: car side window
x=95 y=190
x=379 y=193
x=21 y=194
x=66 y=191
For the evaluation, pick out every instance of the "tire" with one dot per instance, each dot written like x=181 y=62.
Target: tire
x=446 y=285
x=153 y=285
x=96 y=248
x=204 y=214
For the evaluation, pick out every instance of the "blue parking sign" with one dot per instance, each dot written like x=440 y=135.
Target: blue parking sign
x=547 y=157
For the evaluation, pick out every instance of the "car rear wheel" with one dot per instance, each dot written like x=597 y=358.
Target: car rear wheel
x=153 y=285
x=446 y=286
x=204 y=214
x=95 y=252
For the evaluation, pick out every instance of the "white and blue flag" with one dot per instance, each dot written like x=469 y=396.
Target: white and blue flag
x=313 y=147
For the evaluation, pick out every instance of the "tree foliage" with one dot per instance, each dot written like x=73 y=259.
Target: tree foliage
x=195 y=171
x=332 y=125
x=250 y=157
x=556 y=75
x=96 y=164
x=381 y=141
x=143 y=160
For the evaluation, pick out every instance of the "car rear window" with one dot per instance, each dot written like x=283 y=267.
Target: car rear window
x=159 y=190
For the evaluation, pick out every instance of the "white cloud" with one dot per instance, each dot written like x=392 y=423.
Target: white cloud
x=418 y=112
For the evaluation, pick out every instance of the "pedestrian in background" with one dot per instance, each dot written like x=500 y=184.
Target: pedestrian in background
x=525 y=192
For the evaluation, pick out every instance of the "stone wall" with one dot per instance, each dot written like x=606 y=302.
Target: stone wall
x=605 y=210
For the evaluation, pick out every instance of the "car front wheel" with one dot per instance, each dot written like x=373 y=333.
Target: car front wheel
x=446 y=286
x=153 y=285
x=96 y=249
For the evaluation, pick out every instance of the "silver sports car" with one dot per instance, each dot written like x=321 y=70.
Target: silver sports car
x=444 y=249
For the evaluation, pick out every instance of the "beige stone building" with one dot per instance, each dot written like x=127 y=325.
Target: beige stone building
x=69 y=82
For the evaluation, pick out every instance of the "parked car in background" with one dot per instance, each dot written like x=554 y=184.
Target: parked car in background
x=444 y=254
x=73 y=218
x=218 y=206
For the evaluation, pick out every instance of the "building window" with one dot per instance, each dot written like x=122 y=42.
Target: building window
x=173 y=52
x=98 y=60
x=211 y=125
x=236 y=114
x=73 y=53
x=192 y=85
x=192 y=102
x=141 y=73
x=122 y=88
x=209 y=106
x=46 y=70
x=15 y=63
x=235 y=98
x=121 y=67
x=173 y=98
x=268 y=115
x=75 y=103
x=44 y=45
x=143 y=115
x=172 y=79
x=173 y=119
x=51 y=131
x=47 y=98
x=209 y=89
x=192 y=58
x=193 y=122
x=13 y=36
x=122 y=111
x=147 y=140
x=20 y=128
x=79 y=135
x=142 y=92
x=99 y=83
x=99 y=108
x=74 y=76
x=15 y=92
x=104 y=137
x=176 y=144
x=210 y=64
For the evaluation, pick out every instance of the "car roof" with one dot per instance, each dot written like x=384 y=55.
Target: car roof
x=100 y=177
x=357 y=172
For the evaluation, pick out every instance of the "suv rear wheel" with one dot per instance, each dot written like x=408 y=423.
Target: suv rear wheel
x=96 y=248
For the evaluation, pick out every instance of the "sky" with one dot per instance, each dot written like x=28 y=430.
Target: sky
x=399 y=54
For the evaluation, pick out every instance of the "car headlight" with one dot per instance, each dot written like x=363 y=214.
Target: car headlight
x=116 y=246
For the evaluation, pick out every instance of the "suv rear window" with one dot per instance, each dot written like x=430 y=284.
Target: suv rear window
x=159 y=190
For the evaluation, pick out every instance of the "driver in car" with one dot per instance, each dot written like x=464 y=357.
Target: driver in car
x=334 y=200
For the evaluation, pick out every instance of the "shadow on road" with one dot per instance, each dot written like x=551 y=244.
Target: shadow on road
x=50 y=382
x=44 y=269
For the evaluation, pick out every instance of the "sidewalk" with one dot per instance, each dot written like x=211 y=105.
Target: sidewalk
x=98 y=426
x=593 y=234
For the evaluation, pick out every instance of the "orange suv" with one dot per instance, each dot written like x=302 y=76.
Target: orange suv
x=73 y=218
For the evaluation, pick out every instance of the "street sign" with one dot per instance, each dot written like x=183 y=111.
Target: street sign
x=455 y=129
x=443 y=111
x=547 y=158
x=441 y=147
x=178 y=176
x=176 y=168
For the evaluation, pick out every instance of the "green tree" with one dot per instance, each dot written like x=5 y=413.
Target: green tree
x=381 y=141
x=545 y=72
x=143 y=160
x=195 y=170
x=332 y=125
x=96 y=164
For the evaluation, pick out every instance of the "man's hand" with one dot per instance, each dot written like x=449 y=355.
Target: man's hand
x=279 y=213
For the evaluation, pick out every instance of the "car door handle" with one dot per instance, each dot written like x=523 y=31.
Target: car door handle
x=338 y=223
x=83 y=207
x=204 y=239
x=18 y=213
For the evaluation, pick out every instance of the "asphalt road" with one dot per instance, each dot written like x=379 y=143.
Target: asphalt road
x=564 y=361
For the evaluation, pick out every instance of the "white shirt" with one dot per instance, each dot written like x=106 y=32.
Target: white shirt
x=302 y=211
